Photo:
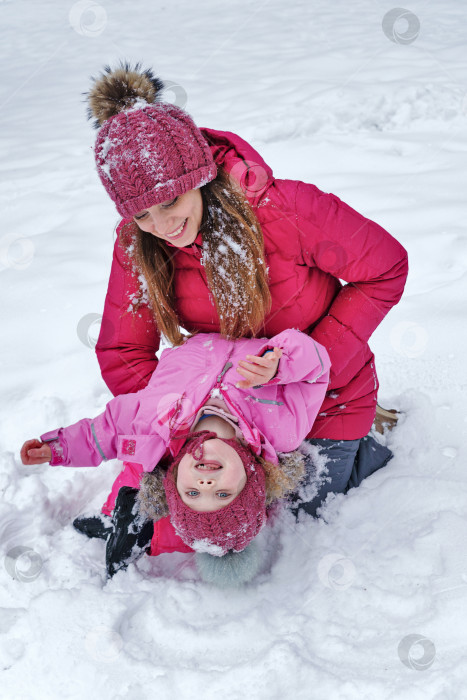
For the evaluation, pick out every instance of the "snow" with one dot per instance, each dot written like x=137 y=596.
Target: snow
x=139 y=103
x=236 y=247
x=368 y=602
x=207 y=547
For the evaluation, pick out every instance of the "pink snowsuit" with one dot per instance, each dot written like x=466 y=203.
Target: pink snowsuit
x=139 y=428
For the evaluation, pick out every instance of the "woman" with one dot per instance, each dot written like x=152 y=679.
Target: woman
x=211 y=241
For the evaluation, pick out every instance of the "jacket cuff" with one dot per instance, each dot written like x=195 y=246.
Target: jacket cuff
x=57 y=447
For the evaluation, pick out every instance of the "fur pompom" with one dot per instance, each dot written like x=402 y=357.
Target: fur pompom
x=232 y=570
x=119 y=89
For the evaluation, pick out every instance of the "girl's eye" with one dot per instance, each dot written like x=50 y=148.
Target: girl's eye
x=223 y=494
x=192 y=494
x=138 y=218
x=170 y=204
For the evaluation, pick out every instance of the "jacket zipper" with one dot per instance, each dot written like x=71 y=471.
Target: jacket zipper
x=226 y=367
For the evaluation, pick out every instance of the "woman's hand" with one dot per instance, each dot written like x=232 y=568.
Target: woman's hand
x=35 y=452
x=258 y=370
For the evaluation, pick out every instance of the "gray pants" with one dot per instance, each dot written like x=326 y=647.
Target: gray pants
x=335 y=466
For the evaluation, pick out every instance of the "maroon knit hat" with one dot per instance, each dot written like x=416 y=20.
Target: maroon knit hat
x=230 y=528
x=146 y=152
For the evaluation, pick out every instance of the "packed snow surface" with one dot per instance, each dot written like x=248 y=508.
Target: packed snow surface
x=370 y=601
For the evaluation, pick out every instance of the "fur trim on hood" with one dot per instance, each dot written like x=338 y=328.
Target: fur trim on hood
x=151 y=498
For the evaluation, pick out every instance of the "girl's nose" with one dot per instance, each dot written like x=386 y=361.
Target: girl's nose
x=206 y=482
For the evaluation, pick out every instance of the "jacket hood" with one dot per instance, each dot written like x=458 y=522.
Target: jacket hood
x=241 y=161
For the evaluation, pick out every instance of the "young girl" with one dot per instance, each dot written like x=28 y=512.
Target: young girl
x=223 y=409
x=212 y=242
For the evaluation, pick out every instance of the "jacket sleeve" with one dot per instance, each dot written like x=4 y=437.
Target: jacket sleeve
x=340 y=241
x=128 y=338
x=303 y=359
x=112 y=434
x=77 y=445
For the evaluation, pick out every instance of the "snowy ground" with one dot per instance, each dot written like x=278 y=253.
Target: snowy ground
x=327 y=97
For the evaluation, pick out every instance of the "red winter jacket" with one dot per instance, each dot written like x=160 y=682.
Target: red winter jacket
x=312 y=241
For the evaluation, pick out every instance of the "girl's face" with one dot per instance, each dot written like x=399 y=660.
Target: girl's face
x=177 y=221
x=212 y=482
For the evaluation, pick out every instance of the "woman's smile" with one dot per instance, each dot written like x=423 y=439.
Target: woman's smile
x=178 y=232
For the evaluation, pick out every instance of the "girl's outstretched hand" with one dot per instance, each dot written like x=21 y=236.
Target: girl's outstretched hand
x=258 y=370
x=35 y=452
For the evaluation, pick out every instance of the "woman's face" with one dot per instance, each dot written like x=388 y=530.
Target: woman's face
x=177 y=221
x=212 y=482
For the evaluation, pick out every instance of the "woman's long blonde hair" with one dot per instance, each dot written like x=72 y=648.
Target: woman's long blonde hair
x=233 y=258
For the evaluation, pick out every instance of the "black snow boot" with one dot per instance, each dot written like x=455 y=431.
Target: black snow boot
x=94 y=526
x=131 y=534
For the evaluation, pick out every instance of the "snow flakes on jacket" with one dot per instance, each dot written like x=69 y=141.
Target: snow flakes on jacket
x=273 y=418
x=312 y=241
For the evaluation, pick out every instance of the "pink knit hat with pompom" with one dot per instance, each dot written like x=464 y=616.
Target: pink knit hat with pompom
x=230 y=528
x=146 y=152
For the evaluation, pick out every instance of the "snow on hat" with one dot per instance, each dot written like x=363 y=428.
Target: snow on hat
x=146 y=151
x=230 y=528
